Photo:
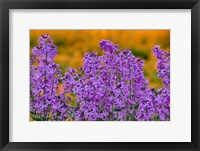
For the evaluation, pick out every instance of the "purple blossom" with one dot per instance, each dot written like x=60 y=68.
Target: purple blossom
x=108 y=46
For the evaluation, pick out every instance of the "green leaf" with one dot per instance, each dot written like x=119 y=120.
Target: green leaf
x=47 y=118
x=118 y=110
x=131 y=107
x=76 y=79
x=156 y=117
x=35 y=118
x=136 y=106
x=73 y=95
x=82 y=74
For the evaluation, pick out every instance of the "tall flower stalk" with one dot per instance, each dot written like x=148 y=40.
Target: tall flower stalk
x=44 y=79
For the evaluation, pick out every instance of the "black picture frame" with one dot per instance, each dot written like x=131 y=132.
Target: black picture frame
x=5 y=5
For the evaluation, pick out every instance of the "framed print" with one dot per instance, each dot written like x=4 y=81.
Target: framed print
x=99 y=75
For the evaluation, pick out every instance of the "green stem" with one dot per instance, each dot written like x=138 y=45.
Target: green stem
x=45 y=72
x=130 y=78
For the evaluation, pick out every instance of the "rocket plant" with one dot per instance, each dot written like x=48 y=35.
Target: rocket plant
x=111 y=87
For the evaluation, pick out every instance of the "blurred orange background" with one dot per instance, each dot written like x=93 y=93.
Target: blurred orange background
x=72 y=44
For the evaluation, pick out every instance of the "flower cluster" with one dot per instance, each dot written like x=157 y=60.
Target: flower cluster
x=111 y=87
x=45 y=104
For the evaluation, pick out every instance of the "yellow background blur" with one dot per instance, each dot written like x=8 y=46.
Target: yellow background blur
x=72 y=44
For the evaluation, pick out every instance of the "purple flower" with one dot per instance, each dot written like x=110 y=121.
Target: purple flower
x=157 y=51
x=108 y=46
